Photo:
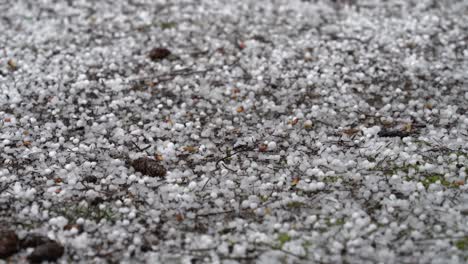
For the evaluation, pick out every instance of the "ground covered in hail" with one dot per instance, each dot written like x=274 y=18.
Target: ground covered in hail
x=234 y=131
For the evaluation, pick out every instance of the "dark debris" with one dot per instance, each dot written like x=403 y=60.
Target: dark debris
x=149 y=167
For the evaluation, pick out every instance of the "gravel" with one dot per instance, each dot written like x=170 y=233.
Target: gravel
x=234 y=131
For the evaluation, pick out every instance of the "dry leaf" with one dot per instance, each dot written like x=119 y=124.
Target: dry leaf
x=459 y=182
x=293 y=121
x=263 y=147
x=295 y=181
x=408 y=127
x=158 y=157
x=351 y=131
x=191 y=149
x=169 y=121
x=179 y=217
x=12 y=64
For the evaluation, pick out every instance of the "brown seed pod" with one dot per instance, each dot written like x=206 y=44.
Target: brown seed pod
x=150 y=167
x=159 y=54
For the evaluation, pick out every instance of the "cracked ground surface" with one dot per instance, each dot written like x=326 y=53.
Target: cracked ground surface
x=234 y=131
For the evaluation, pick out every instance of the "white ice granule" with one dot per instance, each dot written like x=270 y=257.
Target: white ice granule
x=81 y=241
x=58 y=221
x=91 y=194
x=245 y=204
x=311 y=219
x=118 y=133
x=192 y=185
x=223 y=248
x=179 y=127
x=230 y=184
x=239 y=250
x=205 y=241
x=17 y=188
x=30 y=193
x=34 y=211
x=69 y=166
x=132 y=178
x=320 y=185
x=271 y=146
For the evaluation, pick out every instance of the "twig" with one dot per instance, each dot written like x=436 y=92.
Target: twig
x=284 y=251
x=243 y=149
x=215 y=213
